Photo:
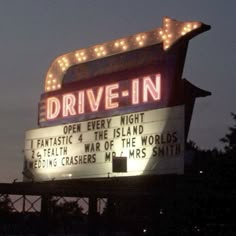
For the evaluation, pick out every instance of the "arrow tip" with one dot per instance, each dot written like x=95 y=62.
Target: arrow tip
x=173 y=30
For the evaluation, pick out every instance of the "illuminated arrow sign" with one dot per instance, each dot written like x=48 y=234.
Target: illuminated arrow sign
x=124 y=96
x=169 y=34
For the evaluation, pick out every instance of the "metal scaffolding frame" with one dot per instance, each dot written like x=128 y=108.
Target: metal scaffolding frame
x=94 y=195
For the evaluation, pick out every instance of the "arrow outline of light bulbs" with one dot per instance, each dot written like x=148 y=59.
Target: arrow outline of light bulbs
x=169 y=34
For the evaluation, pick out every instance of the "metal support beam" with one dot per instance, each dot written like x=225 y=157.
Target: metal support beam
x=44 y=216
x=93 y=217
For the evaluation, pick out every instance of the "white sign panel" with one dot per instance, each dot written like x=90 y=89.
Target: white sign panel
x=152 y=141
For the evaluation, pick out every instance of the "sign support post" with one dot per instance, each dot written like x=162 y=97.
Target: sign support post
x=93 y=223
x=44 y=215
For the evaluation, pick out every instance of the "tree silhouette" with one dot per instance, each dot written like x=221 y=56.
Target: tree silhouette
x=5 y=204
x=66 y=207
x=65 y=215
x=230 y=138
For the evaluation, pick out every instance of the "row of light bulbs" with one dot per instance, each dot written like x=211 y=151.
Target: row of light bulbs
x=170 y=32
x=99 y=51
x=82 y=56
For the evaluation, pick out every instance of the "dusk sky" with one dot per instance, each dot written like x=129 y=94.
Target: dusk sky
x=34 y=33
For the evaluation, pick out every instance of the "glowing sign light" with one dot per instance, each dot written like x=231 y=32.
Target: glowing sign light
x=152 y=141
x=105 y=97
x=127 y=99
x=169 y=34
